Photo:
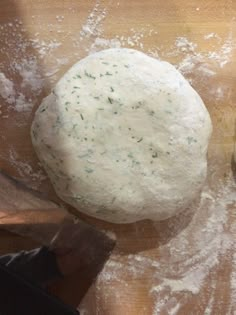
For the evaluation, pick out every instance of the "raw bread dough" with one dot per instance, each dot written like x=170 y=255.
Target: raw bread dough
x=123 y=137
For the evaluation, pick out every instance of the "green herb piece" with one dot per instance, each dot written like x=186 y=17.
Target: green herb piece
x=110 y=100
x=102 y=210
x=82 y=117
x=112 y=90
x=78 y=76
x=96 y=97
x=89 y=75
x=141 y=139
x=89 y=170
x=155 y=155
x=191 y=140
x=42 y=110
x=108 y=73
x=105 y=63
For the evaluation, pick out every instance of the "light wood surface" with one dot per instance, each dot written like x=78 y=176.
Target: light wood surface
x=168 y=20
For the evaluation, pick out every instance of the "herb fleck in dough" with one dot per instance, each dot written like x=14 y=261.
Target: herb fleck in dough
x=123 y=137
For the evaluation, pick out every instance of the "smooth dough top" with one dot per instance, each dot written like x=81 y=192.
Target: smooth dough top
x=123 y=137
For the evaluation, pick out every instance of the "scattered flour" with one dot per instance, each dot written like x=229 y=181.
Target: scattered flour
x=102 y=43
x=233 y=277
x=7 y=91
x=18 y=102
x=208 y=310
x=184 y=45
x=174 y=310
x=25 y=169
x=212 y=35
x=224 y=54
x=92 y=26
x=43 y=47
x=186 y=261
x=209 y=60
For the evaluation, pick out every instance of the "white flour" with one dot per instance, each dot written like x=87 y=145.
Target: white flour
x=181 y=266
x=185 y=262
x=17 y=102
x=25 y=170
x=184 y=45
x=7 y=91
x=93 y=25
x=101 y=43
x=207 y=61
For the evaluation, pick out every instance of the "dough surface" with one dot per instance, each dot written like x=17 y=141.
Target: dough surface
x=123 y=137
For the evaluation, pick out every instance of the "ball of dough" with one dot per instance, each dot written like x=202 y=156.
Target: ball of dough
x=123 y=137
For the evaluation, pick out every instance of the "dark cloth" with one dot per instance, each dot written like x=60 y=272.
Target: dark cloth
x=38 y=265
x=20 y=297
x=20 y=276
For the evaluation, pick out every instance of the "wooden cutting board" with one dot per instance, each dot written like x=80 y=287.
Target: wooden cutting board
x=185 y=265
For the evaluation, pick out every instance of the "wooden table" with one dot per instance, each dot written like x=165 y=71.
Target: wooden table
x=145 y=275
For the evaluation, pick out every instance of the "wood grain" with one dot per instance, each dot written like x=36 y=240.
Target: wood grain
x=168 y=20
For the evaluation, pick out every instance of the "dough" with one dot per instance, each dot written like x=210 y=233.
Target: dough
x=123 y=137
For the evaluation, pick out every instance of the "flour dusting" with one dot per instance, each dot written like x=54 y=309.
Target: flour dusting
x=17 y=101
x=207 y=61
x=25 y=169
x=93 y=24
x=186 y=261
x=7 y=91
x=102 y=43
x=184 y=45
